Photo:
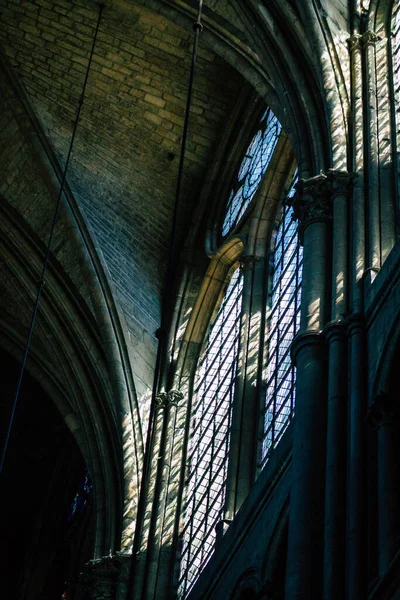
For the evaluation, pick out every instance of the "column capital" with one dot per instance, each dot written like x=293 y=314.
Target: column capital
x=168 y=399
x=354 y=42
x=312 y=201
x=99 y=577
x=248 y=261
x=369 y=38
x=382 y=411
x=341 y=182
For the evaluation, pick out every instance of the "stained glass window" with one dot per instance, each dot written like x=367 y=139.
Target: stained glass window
x=210 y=433
x=80 y=498
x=252 y=168
x=283 y=317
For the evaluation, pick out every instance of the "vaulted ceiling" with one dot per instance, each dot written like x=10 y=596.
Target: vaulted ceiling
x=124 y=164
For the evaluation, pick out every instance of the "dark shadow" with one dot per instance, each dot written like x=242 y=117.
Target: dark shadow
x=42 y=550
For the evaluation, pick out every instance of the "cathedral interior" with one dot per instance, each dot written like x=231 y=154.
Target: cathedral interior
x=200 y=299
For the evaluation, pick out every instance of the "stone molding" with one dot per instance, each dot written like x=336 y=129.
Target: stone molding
x=303 y=339
x=335 y=330
x=355 y=323
x=168 y=399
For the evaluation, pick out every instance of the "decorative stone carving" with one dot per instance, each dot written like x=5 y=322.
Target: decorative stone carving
x=248 y=261
x=313 y=199
x=354 y=42
x=382 y=411
x=99 y=578
x=341 y=182
x=168 y=399
x=370 y=38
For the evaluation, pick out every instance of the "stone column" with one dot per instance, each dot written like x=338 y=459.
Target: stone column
x=357 y=221
x=312 y=207
x=340 y=183
x=245 y=411
x=157 y=574
x=356 y=522
x=336 y=336
x=382 y=415
x=335 y=483
x=369 y=39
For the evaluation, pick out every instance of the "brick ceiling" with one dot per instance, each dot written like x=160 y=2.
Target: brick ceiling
x=125 y=159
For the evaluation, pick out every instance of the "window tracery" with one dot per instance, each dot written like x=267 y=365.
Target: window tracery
x=252 y=169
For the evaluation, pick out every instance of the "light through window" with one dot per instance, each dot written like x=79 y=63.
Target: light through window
x=283 y=324
x=208 y=449
x=253 y=166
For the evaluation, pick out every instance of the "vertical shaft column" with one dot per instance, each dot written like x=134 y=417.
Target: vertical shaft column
x=356 y=537
x=382 y=414
x=335 y=484
x=355 y=498
x=242 y=457
x=374 y=237
x=336 y=336
x=357 y=211
x=167 y=406
x=312 y=207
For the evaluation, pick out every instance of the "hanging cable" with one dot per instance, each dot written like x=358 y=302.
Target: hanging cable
x=41 y=283
x=162 y=331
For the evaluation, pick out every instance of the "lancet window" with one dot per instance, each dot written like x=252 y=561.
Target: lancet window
x=283 y=317
x=208 y=454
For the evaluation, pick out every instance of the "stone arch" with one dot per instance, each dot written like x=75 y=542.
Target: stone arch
x=68 y=360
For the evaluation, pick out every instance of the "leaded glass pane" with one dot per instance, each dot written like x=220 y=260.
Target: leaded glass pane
x=210 y=433
x=283 y=324
x=251 y=170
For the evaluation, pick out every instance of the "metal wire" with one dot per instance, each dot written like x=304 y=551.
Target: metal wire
x=49 y=243
x=169 y=274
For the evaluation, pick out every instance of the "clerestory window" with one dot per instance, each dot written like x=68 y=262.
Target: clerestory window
x=208 y=454
x=223 y=352
x=283 y=318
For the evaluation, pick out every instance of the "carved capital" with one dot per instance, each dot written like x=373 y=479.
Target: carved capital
x=341 y=182
x=246 y=262
x=167 y=399
x=382 y=411
x=354 y=42
x=312 y=201
x=99 y=577
x=369 y=38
